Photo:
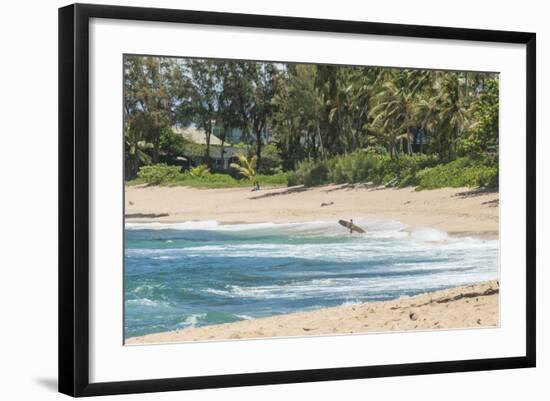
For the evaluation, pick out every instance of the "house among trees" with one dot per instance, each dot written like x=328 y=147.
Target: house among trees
x=194 y=153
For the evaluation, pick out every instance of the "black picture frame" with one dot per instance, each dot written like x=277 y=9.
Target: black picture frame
x=74 y=199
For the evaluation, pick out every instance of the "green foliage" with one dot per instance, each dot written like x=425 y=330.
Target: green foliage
x=362 y=167
x=154 y=98
x=483 y=135
x=377 y=150
x=162 y=174
x=419 y=170
x=271 y=159
x=310 y=173
x=199 y=171
x=320 y=119
x=293 y=179
x=135 y=153
x=208 y=181
x=247 y=168
x=279 y=178
x=171 y=144
x=463 y=172
x=158 y=174
x=195 y=150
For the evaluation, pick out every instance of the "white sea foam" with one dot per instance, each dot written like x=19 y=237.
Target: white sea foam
x=351 y=302
x=426 y=234
x=192 y=320
x=187 y=225
x=451 y=252
x=245 y=317
x=146 y=302
x=355 y=289
x=424 y=237
x=340 y=252
x=321 y=226
x=146 y=288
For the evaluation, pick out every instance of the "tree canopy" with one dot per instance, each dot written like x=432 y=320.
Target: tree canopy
x=306 y=111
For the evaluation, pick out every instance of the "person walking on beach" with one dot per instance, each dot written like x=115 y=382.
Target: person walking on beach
x=351 y=226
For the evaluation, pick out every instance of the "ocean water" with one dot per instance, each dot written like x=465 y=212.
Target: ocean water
x=200 y=273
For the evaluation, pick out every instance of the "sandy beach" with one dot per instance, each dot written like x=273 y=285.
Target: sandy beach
x=472 y=306
x=458 y=211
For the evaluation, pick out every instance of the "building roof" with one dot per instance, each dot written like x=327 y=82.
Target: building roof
x=196 y=135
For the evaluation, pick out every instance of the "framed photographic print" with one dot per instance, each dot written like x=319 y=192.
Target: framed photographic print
x=249 y=199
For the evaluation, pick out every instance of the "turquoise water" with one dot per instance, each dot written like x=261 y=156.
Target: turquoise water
x=200 y=273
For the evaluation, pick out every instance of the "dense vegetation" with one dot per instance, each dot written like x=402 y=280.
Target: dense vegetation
x=163 y=174
x=318 y=123
x=422 y=171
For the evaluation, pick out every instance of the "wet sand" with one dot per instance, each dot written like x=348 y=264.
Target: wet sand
x=472 y=306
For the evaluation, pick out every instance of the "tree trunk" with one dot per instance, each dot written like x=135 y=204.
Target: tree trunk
x=258 y=149
x=207 y=153
x=321 y=149
x=314 y=146
x=246 y=136
x=156 y=145
x=222 y=148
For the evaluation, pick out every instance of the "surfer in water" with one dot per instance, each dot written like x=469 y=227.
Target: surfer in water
x=351 y=227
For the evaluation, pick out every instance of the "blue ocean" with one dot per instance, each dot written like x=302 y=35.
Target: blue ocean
x=201 y=273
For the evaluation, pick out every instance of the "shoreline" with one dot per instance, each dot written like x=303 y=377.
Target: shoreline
x=471 y=306
x=457 y=211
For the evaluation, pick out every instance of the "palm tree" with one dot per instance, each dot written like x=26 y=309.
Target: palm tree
x=247 y=168
x=426 y=111
x=391 y=114
x=453 y=113
x=135 y=151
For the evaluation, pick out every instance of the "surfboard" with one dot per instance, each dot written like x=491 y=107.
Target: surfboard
x=351 y=226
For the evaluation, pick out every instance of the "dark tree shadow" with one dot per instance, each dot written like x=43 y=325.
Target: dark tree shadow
x=476 y=192
x=492 y=203
x=288 y=191
x=358 y=185
x=145 y=215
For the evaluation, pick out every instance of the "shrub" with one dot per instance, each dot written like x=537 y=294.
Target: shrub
x=361 y=166
x=377 y=150
x=280 y=178
x=292 y=179
x=199 y=171
x=463 y=172
x=271 y=159
x=159 y=173
x=162 y=174
x=311 y=173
